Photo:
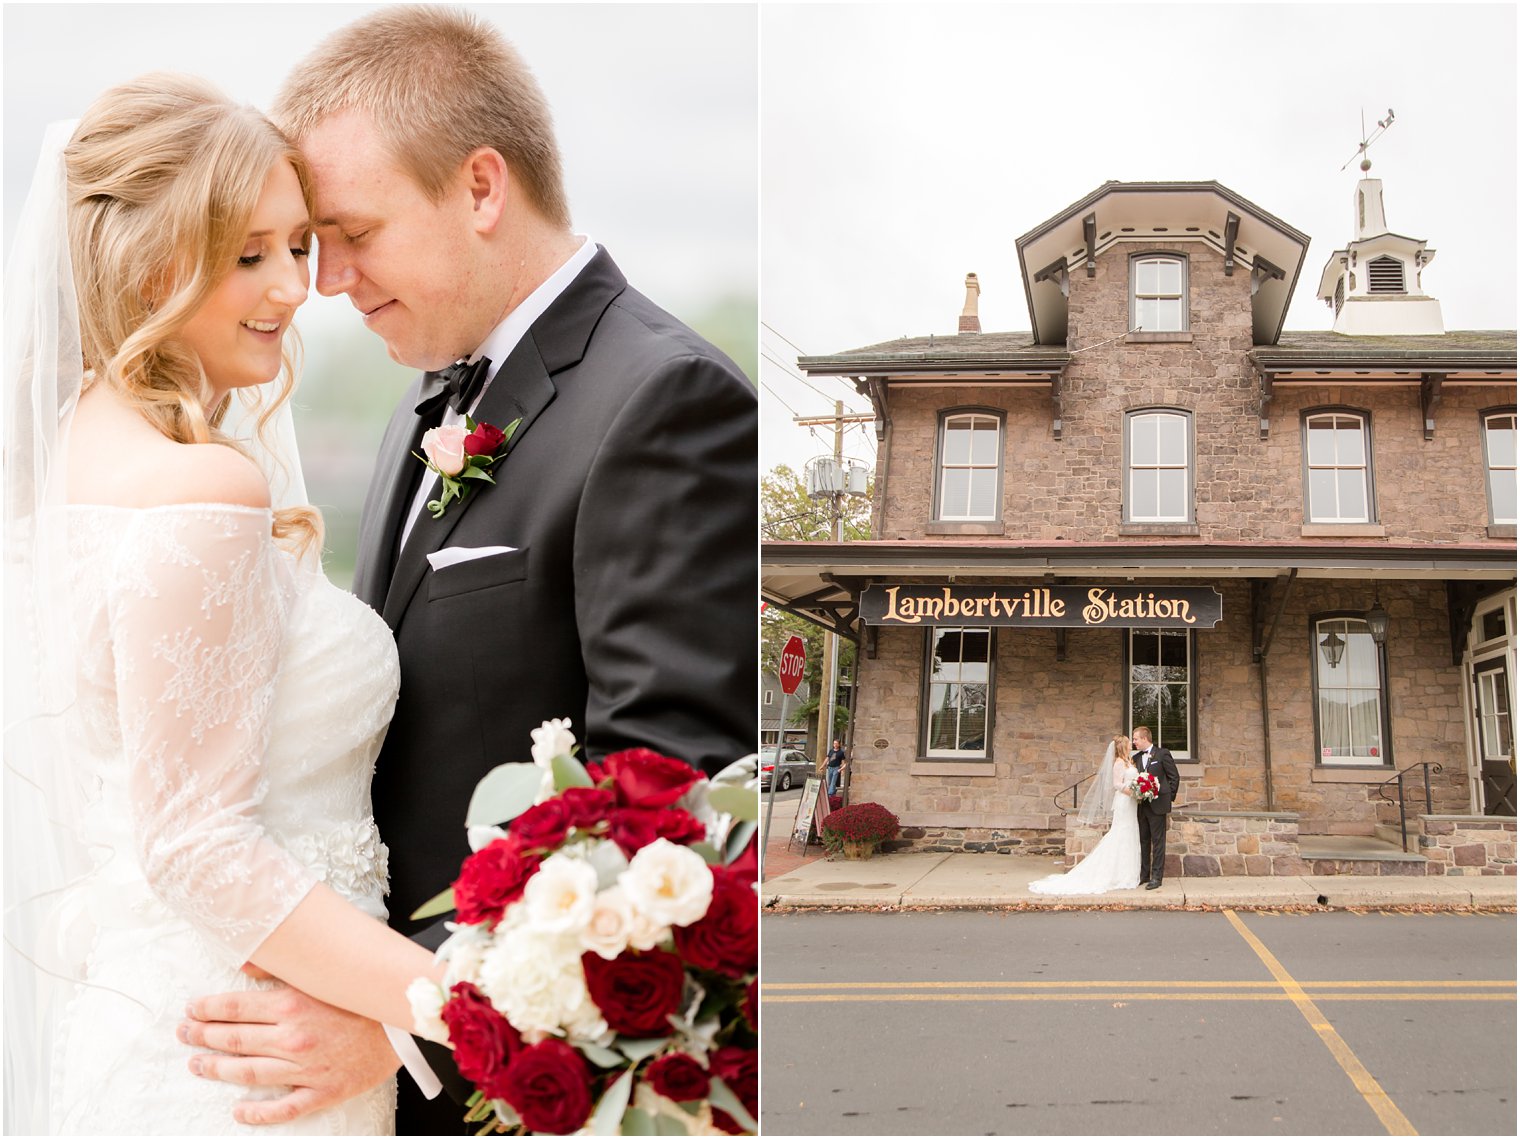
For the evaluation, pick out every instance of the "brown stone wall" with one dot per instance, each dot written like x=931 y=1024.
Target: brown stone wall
x=1247 y=489
x=1472 y=845
x=1198 y=845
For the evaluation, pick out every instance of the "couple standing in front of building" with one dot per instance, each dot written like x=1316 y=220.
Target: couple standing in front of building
x=1135 y=845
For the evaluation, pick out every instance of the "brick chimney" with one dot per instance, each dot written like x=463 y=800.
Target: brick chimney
x=970 y=322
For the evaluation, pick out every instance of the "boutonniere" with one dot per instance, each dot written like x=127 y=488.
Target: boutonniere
x=459 y=454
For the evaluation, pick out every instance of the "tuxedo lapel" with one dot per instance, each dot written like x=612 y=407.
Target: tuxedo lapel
x=519 y=391
x=385 y=507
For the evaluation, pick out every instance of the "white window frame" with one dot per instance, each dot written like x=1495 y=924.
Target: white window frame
x=1151 y=417
x=1136 y=296
x=1189 y=686
x=1312 y=511
x=984 y=752
x=1346 y=626
x=944 y=510
x=1490 y=470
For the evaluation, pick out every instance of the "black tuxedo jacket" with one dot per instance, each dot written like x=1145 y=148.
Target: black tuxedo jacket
x=629 y=600
x=1164 y=767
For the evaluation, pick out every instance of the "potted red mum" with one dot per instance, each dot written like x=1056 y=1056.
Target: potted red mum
x=857 y=830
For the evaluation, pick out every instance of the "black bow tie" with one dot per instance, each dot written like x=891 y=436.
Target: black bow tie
x=459 y=384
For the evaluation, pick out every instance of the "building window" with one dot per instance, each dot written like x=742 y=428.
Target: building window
x=1338 y=467
x=1159 y=484
x=969 y=462
x=1159 y=294
x=1160 y=682
x=1348 y=693
x=959 y=689
x=770 y=697
x=1499 y=456
x=1385 y=276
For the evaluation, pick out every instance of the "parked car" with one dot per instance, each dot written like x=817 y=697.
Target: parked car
x=795 y=768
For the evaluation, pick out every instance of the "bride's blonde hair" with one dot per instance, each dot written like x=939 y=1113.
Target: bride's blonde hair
x=164 y=173
x=1121 y=748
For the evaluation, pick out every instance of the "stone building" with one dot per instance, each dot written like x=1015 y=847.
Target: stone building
x=1290 y=554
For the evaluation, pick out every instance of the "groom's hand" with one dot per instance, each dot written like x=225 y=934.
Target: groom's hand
x=281 y=1036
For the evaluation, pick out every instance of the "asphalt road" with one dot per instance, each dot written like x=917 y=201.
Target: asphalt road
x=1164 y=1023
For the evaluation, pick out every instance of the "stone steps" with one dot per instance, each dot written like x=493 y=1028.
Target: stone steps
x=1363 y=855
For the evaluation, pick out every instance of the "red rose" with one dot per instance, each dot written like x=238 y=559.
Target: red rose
x=587 y=805
x=491 y=879
x=634 y=828
x=747 y=865
x=549 y=1086
x=598 y=775
x=646 y=778
x=484 y=440
x=727 y=938
x=636 y=991
x=679 y=1077
x=542 y=825
x=752 y=1004
x=484 y=1042
x=739 y=1069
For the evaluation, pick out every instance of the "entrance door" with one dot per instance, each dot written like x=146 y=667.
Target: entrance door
x=1495 y=737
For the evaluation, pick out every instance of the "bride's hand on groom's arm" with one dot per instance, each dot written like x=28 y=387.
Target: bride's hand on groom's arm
x=285 y=1037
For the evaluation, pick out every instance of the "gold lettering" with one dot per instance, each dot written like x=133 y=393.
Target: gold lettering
x=1185 y=611
x=1057 y=608
x=1164 y=608
x=1095 y=611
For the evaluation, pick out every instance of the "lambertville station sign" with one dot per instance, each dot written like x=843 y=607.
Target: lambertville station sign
x=1052 y=606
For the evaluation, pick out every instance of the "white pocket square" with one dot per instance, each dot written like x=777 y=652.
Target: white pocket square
x=453 y=555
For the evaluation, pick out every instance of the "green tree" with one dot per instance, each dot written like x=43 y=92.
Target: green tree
x=787 y=514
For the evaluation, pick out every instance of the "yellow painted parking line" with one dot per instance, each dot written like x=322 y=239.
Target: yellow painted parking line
x=1118 y=995
x=1393 y=1120
x=797 y=986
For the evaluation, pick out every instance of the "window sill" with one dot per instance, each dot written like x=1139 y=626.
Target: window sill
x=1342 y=530
x=981 y=767
x=964 y=528
x=1502 y=530
x=1323 y=774
x=1168 y=529
x=1159 y=338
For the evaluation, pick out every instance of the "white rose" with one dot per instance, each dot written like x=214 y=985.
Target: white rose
x=551 y=738
x=426 y=999
x=463 y=952
x=606 y=934
x=668 y=884
x=560 y=895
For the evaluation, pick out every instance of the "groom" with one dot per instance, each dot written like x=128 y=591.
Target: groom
x=609 y=574
x=1152 y=813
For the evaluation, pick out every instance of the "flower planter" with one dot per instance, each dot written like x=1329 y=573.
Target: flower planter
x=858 y=849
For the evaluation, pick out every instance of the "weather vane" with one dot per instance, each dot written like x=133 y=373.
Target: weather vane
x=1368 y=140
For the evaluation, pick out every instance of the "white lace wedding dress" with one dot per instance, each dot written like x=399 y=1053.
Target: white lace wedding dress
x=1114 y=863
x=231 y=703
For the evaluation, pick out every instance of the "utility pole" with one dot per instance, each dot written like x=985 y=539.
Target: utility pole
x=836 y=532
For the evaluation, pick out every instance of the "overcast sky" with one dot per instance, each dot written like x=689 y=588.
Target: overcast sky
x=905 y=145
x=654 y=107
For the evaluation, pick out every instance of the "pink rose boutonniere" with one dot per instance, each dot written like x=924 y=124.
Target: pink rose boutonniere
x=458 y=454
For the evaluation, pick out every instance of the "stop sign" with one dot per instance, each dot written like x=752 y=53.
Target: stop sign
x=793 y=657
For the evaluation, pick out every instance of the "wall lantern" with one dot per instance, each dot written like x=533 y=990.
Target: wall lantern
x=1333 y=647
x=1377 y=623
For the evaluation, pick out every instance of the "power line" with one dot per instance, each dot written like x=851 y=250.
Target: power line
x=801 y=351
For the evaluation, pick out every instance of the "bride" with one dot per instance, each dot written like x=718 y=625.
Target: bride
x=193 y=710
x=1114 y=863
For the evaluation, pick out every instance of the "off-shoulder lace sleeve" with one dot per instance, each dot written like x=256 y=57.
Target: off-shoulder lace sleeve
x=198 y=607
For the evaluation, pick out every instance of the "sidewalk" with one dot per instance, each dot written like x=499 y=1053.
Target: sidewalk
x=978 y=881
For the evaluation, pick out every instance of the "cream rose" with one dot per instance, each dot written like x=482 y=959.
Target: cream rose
x=426 y=999
x=552 y=738
x=444 y=447
x=668 y=884
x=560 y=897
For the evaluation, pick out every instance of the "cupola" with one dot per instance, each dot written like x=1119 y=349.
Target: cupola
x=1374 y=283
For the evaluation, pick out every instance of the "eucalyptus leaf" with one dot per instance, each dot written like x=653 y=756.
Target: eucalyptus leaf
x=738 y=839
x=569 y=772
x=739 y=771
x=741 y=802
x=708 y=852
x=436 y=906
x=719 y=1095
x=636 y=1122
x=601 y=1057
x=609 y=1112
x=506 y=792
x=639 y=1049
x=668 y=1125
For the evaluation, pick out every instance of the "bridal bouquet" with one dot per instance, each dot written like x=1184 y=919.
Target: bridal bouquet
x=601 y=970
x=1147 y=787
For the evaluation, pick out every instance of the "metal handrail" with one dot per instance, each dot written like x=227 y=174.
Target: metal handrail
x=1056 y=798
x=1403 y=810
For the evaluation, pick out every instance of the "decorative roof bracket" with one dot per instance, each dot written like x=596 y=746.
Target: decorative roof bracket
x=1055 y=399
x=1231 y=231
x=1263 y=270
x=1056 y=273
x=1263 y=423
x=1090 y=237
x=1430 y=399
